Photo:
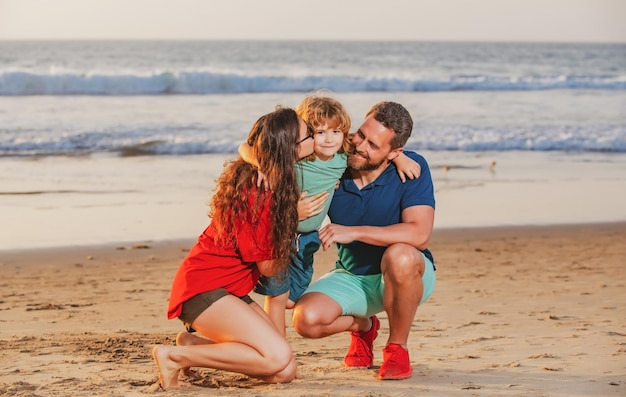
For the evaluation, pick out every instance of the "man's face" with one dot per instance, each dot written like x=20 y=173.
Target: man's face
x=372 y=146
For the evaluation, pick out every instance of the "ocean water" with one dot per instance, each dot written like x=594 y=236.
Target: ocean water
x=116 y=141
x=194 y=97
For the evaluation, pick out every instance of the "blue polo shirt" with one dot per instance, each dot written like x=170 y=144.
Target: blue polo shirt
x=378 y=204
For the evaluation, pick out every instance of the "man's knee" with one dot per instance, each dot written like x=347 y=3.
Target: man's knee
x=305 y=320
x=312 y=313
x=402 y=262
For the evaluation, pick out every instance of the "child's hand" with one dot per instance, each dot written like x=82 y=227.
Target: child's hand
x=411 y=173
x=406 y=167
x=310 y=206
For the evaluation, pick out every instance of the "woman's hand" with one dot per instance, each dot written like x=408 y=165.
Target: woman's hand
x=261 y=180
x=312 y=205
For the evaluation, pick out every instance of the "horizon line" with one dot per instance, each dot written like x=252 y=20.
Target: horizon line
x=519 y=41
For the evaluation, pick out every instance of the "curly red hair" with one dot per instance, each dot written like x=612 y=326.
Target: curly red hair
x=273 y=139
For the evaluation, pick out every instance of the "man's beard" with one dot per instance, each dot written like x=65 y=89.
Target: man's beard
x=366 y=165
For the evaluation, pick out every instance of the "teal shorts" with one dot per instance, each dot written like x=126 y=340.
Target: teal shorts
x=362 y=296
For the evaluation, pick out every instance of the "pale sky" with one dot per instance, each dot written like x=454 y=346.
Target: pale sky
x=449 y=20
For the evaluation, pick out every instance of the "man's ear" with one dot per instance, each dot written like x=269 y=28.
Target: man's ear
x=394 y=153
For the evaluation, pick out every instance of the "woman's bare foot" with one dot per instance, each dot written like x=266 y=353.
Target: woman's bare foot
x=168 y=373
x=185 y=338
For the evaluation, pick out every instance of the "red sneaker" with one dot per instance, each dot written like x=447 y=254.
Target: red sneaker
x=396 y=363
x=361 y=352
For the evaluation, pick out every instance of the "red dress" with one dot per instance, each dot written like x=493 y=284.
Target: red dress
x=209 y=266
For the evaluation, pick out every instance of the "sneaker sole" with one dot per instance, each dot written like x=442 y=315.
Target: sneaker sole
x=396 y=377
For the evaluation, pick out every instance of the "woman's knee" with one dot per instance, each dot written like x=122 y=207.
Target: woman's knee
x=280 y=364
x=287 y=374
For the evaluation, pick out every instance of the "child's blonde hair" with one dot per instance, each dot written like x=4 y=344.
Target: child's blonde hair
x=318 y=109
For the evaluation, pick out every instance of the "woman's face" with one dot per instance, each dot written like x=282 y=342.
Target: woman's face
x=305 y=140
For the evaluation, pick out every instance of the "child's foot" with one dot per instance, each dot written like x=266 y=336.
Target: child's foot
x=168 y=373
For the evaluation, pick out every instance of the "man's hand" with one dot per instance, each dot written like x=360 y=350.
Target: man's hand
x=333 y=233
x=310 y=206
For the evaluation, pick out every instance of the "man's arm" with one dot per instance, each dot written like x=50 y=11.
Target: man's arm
x=415 y=229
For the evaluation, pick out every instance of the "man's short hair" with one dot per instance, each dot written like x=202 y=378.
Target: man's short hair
x=395 y=117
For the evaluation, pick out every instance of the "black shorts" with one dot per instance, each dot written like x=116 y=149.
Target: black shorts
x=199 y=303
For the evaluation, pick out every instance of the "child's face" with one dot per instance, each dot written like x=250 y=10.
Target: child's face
x=327 y=141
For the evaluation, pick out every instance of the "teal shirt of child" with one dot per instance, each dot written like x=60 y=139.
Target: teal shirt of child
x=318 y=176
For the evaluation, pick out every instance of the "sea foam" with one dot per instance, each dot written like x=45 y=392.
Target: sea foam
x=199 y=82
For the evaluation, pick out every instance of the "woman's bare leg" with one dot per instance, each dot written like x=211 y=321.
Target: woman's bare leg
x=185 y=338
x=245 y=341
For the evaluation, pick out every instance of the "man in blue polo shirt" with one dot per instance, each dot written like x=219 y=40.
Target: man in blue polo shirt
x=381 y=227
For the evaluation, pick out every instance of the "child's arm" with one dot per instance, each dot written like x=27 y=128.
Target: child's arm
x=245 y=151
x=406 y=167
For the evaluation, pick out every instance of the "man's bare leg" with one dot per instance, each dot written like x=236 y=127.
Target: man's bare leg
x=402 y=267
x=316 y=315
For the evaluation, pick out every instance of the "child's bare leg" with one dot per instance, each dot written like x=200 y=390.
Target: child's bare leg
x=275 y=309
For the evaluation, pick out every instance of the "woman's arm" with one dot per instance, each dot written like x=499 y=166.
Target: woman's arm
x=312 y=205
x=267 y=267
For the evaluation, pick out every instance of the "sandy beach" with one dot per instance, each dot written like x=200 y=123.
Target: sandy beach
x=112 y=136
x=89 y=247
x=109 y=151
x=517 y=311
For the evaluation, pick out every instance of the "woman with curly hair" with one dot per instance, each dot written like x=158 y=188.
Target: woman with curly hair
x=251 y=234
